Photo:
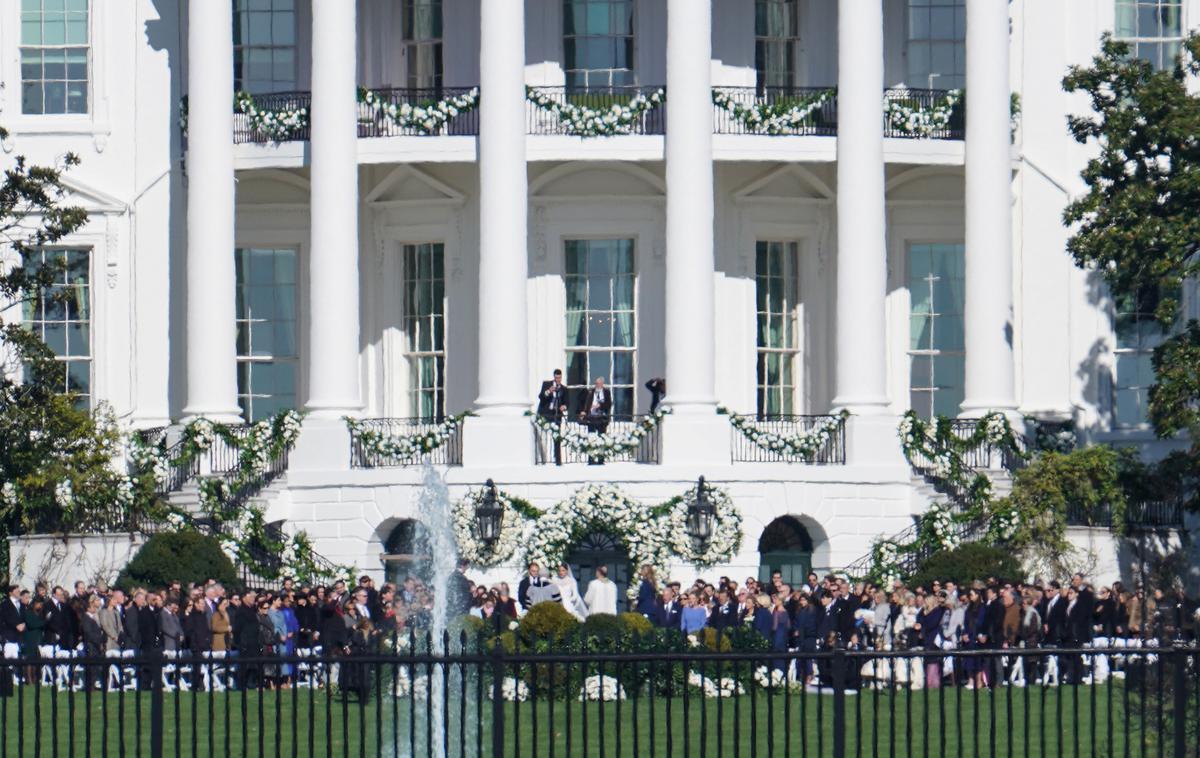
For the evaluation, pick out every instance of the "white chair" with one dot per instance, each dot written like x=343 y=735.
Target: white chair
x=68 y=675
x=121 y=676
x=46 y=675
x=216 y=676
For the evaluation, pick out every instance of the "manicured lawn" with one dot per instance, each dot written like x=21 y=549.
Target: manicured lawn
x=1033 y=721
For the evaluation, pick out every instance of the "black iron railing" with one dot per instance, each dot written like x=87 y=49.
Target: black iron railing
x=247 y=130
x=776 y=110
x=419 y=113
x=923 y=102
x=449 y=453
x=832 y=451
x=599 y=100
x=479 y=700
x=648 y=449
x=983 y=456
x=1147 y=514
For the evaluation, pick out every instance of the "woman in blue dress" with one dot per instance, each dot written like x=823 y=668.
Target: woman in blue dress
x=973 y=636
x=647 y=598
x=929 y=627
x=693 y=617
x=781 y=627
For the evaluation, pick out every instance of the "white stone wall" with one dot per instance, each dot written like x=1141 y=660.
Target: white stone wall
x=66 y=559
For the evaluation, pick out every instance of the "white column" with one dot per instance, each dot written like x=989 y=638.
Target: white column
x=861 y=223
x=333 y=354
x=211 y=335
x=503 y=207
x=989 y=279
x=690 y=358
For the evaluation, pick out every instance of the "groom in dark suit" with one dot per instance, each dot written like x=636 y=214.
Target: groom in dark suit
x=552 y=406
x=596 y=411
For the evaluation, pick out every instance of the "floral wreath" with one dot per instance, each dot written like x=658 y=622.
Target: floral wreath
x=779 y=118
x=582 y=121
x=803 y=445
x=403 y=447
x=578 y=439
x=725 y=540
x=512 y=529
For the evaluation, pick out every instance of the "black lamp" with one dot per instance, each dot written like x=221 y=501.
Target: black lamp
x=701 y=515
x=488 y=515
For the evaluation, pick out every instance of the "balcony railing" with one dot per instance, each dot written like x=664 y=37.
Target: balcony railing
x=648 y=451
x=832 y=452
x=983 y=456
x=374 y=122
x=938 y=114
x=448 y=454
x=246 y=129
x=565 y=110
x=804 y=111
x=1144 y=515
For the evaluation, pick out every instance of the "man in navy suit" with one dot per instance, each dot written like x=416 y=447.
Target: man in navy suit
x=669 y=611
x=725 y=614
x=552 y=406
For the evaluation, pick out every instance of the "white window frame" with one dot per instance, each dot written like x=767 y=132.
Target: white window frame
x=795 y=7
x=295 y=359
x=92 y=290
x=1189 y=308
x=411 y=356
x=633 y=58
x=410 y=45
x=22 y=46
x=1136 y=40
x=792 y=325
x=934 y=80
x=238 y=48
x=909 y=351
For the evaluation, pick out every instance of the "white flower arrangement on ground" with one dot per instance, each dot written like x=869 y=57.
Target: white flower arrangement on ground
x=601 y=688
x=407 y=447
x=802 y=445
x=576 y=437
x=582 y=121
x=769 y=678
x=774 y=118
x=514 y=690
x=723 y=687
x=510 y=540
x=915 y=120
x=428 y=118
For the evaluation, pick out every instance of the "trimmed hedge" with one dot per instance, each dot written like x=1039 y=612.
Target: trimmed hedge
x=967 y=563
x=184 y=556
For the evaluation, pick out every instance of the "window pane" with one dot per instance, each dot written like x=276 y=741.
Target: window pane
x=266 y=330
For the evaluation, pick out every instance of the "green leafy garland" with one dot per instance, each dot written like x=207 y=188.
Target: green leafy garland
x=803 y=445
x=581 y=121
x=602 y=446
x=775 y=118
x=406 y=447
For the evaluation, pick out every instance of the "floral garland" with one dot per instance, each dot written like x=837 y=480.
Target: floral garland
x=582 y=121
x=905 y=116
x=424 y=119
x=512 y=529
x=803 y=445
x=407 y=447
x=775 y=118
x=263 y=442
x=603 y=446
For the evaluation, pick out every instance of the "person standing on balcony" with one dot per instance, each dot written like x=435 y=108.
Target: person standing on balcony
x=658 y=390
x=596 y=412
x=552 y=406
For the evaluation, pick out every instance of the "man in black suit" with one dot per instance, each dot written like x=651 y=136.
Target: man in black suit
x=658 y=389
x=12 y=626
x=669 y=611
x=725 y=614
x=597 y=411
x=530 y=580
x=61 y=623
x=1077 y=632
x=552 y=406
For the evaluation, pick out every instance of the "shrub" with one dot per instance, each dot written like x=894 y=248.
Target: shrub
x=967 y=563
x=184 y=556
x=601 y=631
x=547 y=622
x=635 y=624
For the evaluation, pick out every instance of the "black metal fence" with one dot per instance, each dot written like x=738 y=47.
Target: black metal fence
x=548 y=452
x=479 y=700
x=983 y=456
x=1146 y=515
x=832 y=451
x=449 y=453
x=814 y=109
x=544 y=120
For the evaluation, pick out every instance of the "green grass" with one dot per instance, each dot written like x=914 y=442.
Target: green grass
x=1066 y=721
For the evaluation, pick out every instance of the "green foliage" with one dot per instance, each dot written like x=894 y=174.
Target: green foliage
x=601 y=631
x=1176 y=391
x=546 y=623
x=186 y=556
x=967 y=563
x=635 y=623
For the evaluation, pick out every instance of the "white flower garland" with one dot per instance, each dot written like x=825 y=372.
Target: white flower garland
x=478 y=553
x=919 y=120
x=773 y=119
x=582 y=121
x=424 y=119
x=605 y=446
x=803 y=445
x=405 y=447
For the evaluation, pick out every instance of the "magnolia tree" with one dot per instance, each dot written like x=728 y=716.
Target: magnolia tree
x=1138 y=223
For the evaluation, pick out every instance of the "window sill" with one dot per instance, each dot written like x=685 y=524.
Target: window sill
x=57 y=126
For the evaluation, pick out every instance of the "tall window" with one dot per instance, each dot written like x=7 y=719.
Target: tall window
x=598 y=42
x=937 y=44
x=61 y=315
x=1138 y=332
x=937 y=292
x=264 y=45
x=422 y=42
x=778 y=341
x=601 y=320
x=1153 y=29
x=425 y=329
x=266 y=331
x=776 y=42
x=54 y=56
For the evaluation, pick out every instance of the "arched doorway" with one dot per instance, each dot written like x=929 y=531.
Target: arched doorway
x=406 y=552
x=786 y=547
x=600 y=549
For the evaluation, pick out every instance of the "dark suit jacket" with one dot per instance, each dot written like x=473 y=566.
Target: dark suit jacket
x=10 y=616
x=60 y=624
x=550 y=399
x=724 y=616
x=1056 y=621
x=657 y=389
x=1079 y=623
x=605 y=404
x=93 y=636
x=146 y=621
x=668 y=617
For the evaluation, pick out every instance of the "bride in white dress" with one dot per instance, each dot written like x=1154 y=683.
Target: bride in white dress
x=568 y=589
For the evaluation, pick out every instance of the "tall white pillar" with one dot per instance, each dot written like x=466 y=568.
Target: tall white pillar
x=862 y=253
x=333 y=351
x=503 y=207
x=211 y=330
x=690 y=357
x=989 y=280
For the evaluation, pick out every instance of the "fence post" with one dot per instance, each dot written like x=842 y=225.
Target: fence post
x=839 y=703
x=156 y=704
x=497 y=699
x=1180 y=709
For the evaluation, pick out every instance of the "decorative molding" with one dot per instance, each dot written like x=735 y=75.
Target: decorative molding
x=112 y=263
x=921 y=172
x=566 y=169
x=450 y=196
x=825 y=192
x=456 y=249
x=538 y=233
